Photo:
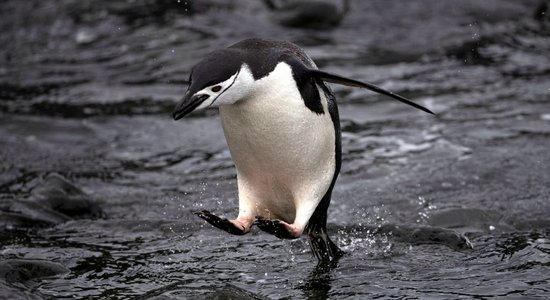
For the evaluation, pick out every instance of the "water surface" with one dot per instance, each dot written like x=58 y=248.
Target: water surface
x=98 y=184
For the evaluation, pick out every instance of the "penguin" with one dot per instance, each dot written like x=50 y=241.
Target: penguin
x=282 y=127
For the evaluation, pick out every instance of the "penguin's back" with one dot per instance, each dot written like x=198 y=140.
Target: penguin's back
x=263 y=55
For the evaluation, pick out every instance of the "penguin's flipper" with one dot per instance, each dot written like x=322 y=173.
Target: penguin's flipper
x=221 y=223
x=333 y=78
x=274 y=227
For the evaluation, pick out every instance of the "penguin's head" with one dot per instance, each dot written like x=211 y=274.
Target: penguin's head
x=220 y=78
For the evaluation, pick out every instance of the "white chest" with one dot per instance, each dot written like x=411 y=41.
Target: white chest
x=283 y=152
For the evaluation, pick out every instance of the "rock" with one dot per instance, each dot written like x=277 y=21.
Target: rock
x=60 y=195
x=21 y=270
x=54 y=201
x=308 y=14
x=13 y=220
x=427 y=235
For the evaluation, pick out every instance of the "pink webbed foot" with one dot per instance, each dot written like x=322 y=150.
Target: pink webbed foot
x=278 y=228
x=236 y=227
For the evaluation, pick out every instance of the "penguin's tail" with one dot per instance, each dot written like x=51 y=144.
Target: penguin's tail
x=322 y=246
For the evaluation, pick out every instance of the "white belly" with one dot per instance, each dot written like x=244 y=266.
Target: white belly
x=283 y=152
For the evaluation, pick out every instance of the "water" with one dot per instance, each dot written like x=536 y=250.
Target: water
x=98 y=184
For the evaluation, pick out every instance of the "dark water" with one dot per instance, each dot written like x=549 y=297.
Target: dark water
x=98 y=184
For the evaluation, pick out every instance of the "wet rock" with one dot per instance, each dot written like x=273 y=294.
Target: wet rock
x=308 y=14
x=54 y=201
x=63 y=196
x=427 y=235
x=21 y=270
x=28 y=217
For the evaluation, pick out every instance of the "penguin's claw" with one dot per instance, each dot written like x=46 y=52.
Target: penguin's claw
x=276 y=227
x=221 y=223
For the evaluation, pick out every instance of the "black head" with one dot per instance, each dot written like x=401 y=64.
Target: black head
x=209 y=80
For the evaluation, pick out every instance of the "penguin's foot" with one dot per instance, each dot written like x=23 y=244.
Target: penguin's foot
x=322 y=246
x=236 y=227
x=278 y=228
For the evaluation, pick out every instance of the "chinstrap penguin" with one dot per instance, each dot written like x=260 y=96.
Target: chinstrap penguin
x=282 y=127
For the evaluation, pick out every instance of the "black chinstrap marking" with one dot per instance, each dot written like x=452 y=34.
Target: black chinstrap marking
x=232 y=83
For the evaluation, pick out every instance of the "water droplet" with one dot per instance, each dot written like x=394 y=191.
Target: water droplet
x=421 y=200
x=491 y=227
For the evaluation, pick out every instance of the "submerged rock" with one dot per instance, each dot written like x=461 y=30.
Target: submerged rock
x=308 y=14
x=53 y=201
x=21 y=270
x=25 y=216
x=427 y=235
x=60 y=195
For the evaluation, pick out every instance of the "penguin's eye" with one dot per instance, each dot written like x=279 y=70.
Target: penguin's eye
x=216 y=89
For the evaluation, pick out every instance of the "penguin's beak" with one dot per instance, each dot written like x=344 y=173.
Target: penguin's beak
x=187 y=105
